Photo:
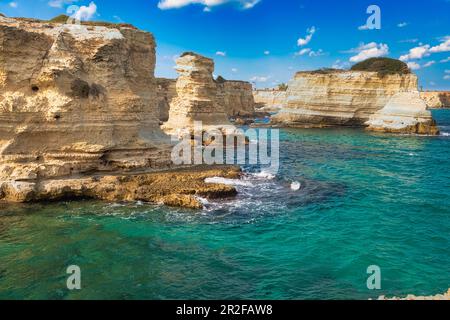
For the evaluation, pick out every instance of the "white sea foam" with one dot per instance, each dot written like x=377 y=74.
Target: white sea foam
x=230 y=182
x=445 y=134
x=264 y=175
x=296 y=185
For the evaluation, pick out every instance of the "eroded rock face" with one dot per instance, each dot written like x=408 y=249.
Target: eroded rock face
x=167 y=91
x=270 y=100
x=339 y=98
x=405 y=113
x=196 y=97
x=436 y=99
x=79 y=115
x=236 y=97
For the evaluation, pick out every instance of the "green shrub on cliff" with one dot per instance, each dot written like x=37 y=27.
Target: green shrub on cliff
x=384 y=66
x=282 y=87
x=64 y=19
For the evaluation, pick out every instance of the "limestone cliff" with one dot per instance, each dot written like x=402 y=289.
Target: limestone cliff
x=339 y=97
x=236 y=97
x=196 y=96
x=167 y=91
x=270 y=100
x=436 y=99
x=406 y=113
x=76 y=101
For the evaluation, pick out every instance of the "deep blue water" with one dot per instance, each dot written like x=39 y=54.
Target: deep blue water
x=366 y=199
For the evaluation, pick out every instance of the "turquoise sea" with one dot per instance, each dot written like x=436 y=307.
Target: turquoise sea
x=366 y=199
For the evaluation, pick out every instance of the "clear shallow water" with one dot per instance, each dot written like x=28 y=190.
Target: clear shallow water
x=365 y=199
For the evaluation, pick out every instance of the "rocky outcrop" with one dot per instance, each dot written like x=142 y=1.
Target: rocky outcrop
x=405 y=113
x=269 y=100
x=167 y=91
x=339 y=98
x=78 y=102
x=179 y=187
x=436 y=99
x=196 y=97
x=236 y=97
x=445 y=296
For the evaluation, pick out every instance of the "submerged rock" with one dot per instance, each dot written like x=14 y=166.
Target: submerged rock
x=406 y=113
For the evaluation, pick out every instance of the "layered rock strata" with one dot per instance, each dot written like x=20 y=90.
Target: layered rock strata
x=236 y=97
x=167 y=91
x=436 y=99
x=339 y=98
x=405 y=113
x=77 y=102
x=269 y=100
x=196 y=97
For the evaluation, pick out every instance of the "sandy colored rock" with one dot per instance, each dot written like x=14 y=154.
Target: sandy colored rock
x=339 y=98
x=405 y=112
x=269 y=100
x=179 y=187
x=79 y=117
x=166 y=91
x=436 y=99
x=196 y=97
x=445 y=296
x=236 y=97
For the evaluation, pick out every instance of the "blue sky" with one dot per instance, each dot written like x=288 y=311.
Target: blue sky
x=267 y=41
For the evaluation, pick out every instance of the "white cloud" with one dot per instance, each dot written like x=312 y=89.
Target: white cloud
x=338 y=64
x=13 y=4
x=370 y=50
x=221 y=53
x=303 y=52
x=429 y=64
x=413 y=65
x=402 y=24
x=86 y=13
x=60 y=3
x=260 y=78
x=447 y=77
x=176 y=4
x=443 y=47
x=445 y=60
x=267 y=52
x=234 y=70
x=416 y=53
x=304 y=41
x=426 y=50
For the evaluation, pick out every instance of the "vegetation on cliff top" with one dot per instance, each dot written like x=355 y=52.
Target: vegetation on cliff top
x=384 y=66
x=64 y=18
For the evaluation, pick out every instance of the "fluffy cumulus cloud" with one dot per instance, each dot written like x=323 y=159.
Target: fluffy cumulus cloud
x=426 y=50
x=413 y=65
x=417 y=53
x=370 y=50
x=208 y=4
x=85 y=12
x=304 y=41
x=60 y=3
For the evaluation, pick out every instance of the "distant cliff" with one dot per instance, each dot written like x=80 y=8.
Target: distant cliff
x=338 y=97
x=270 y=100
x=436 y=99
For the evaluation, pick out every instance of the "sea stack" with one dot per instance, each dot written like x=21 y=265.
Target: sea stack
x=79 y=117
x=326 y=98
x=196 y=97
x=405 y=113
